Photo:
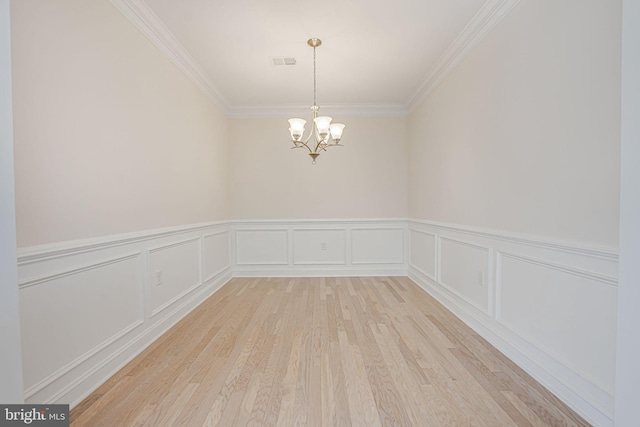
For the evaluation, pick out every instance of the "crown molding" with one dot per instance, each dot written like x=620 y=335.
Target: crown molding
x=487 y=18
x=341 y=110
x=145 y=20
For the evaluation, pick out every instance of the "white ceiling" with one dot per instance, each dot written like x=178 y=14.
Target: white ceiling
x=375 y=54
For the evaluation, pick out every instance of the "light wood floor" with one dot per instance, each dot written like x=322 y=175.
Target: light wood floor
x=322 y=351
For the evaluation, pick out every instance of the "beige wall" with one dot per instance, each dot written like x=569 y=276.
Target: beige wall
x=109 y=136
x=367 y=178
x=112 y=138
x=524 y=136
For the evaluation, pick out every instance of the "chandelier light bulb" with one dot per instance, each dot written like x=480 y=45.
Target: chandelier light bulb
x=323 y=124
x=336 y=132
x=296 y=127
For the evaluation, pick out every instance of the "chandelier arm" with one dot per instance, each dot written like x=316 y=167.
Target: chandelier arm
x=305 y=145
x=319 y=146
x=310 y=135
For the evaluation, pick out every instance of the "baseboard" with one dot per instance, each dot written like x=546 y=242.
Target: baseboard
x=324 y=272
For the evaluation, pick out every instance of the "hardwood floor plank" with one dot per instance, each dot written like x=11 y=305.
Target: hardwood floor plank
x=359 y=351
x=232 y=381
x=90 y=414
x=170 y=417
x=350 y=379
x=222 y=356
x=343 y=415
x=301 y=401
x=383 y=387
x=480 y=373
x=371 y=416
x=524 y=409
x=406 y=382
x=289 y=381
x=266 y=405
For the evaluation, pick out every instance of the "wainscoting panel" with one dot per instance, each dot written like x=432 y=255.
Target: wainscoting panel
x=319 y=246
x=423 y=252
x=549 y=306
x=366 y=247
x=464 y=268
x=560 y=310
x=262 y=247
x=377 y=245
x=88 y=307
x=174 y=270
x=106 y=296
x=215 y=253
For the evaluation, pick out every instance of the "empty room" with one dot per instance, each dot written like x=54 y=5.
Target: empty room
x=408 y=213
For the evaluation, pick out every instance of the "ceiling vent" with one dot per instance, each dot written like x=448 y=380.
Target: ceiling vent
x=281 y=60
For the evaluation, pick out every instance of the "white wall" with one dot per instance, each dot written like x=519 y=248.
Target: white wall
x=524 y=135
x=367 y=178
x=514 y=164
x=110 y=137
x=627 y=369
x=10 y=356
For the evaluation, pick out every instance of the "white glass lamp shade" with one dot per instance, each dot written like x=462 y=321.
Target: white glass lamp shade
x=296 y=127
x=336 y=132
x=323 y=123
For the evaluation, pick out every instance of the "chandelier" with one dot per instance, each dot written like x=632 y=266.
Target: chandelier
x=325 y=134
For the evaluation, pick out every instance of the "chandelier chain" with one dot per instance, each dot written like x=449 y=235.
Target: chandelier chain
x=314 y=75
